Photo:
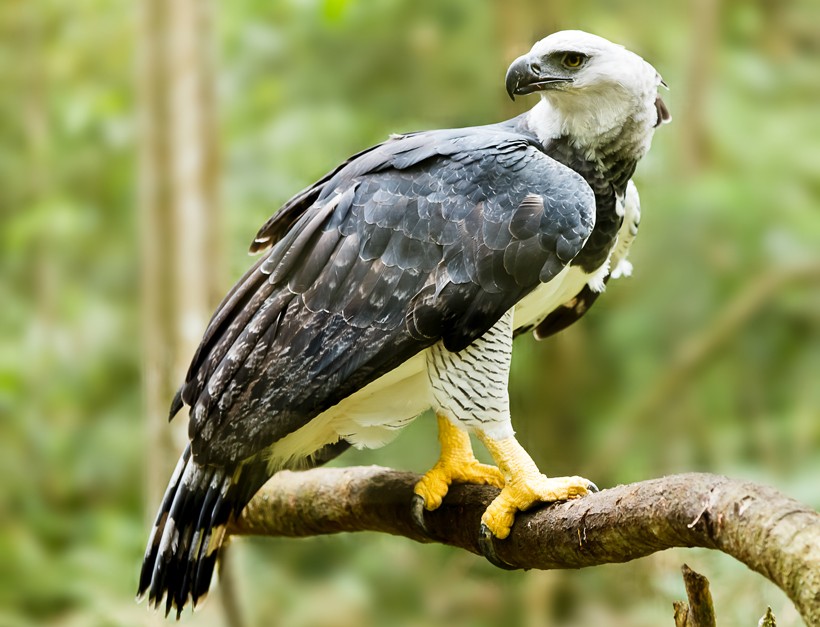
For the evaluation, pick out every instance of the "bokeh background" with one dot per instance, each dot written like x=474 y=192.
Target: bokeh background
x=707 y=359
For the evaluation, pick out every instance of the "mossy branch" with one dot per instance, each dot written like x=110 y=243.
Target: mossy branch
x=772 y=534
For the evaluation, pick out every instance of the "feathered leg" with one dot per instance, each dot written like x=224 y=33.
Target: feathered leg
x=470 y=387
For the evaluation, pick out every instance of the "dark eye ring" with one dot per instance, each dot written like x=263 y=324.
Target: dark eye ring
x=573 y=60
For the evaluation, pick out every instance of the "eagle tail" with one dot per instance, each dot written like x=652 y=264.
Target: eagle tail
x=190 y=527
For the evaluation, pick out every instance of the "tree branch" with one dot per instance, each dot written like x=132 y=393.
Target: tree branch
x=769 y=532
x=700 y=611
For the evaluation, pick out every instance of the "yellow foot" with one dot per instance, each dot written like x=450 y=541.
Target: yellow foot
x=435 y=483
x=455 y=465
x=523 y=492
x=525 y=485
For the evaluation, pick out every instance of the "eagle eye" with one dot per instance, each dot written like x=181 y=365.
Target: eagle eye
x=573 y=60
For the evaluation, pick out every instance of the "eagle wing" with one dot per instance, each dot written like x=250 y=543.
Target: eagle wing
x=426 y=237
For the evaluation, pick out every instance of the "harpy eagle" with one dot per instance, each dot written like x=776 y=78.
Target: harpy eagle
x=395 y=284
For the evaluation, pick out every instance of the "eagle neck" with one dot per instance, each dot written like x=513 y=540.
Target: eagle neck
x=616 y=142
x=606 y=165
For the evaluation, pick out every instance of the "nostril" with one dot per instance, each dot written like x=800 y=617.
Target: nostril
x=535 y=67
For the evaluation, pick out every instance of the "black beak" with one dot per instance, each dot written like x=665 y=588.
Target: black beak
x=526 y=76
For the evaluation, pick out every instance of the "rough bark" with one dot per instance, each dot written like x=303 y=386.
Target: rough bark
x=768 y=619
x=681 y=614
x=769 y=532
x=701 y=611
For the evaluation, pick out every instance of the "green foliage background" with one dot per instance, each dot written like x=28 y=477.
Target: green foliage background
x=304 y=83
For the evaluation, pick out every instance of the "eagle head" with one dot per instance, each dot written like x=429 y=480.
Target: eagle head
x=592 y=87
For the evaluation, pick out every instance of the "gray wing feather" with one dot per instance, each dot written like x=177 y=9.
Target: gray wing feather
x=427 y=237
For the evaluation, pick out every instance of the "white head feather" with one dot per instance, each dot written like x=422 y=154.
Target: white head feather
x=612 y=94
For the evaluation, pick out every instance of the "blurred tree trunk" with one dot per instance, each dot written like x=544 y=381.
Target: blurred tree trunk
x=705 y=28
x=27 y=33
x=777 y=39
x=520 y=23
x=178 y=204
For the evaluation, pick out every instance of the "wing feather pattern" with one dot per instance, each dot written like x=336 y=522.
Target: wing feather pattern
x=427 y=237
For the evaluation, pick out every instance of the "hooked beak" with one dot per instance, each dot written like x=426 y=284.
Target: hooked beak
x=526 y=76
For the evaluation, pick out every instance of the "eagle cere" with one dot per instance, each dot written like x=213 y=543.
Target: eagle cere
x=395 y=284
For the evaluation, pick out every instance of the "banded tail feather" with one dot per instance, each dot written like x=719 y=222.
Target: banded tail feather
x=184 y=545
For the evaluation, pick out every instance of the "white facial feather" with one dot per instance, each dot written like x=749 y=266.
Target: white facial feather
x=614 y=90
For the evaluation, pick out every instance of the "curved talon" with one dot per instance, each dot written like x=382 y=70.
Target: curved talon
x=591 y=487
x=522 y=493
x=456 y=464
x=487 y=548
x=417 y=512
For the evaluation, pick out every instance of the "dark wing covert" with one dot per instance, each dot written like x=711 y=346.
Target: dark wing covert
x=426 y=237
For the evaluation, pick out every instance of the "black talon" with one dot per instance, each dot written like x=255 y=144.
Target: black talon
x=417 y=511
x=487 y=548
x=591 y=487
